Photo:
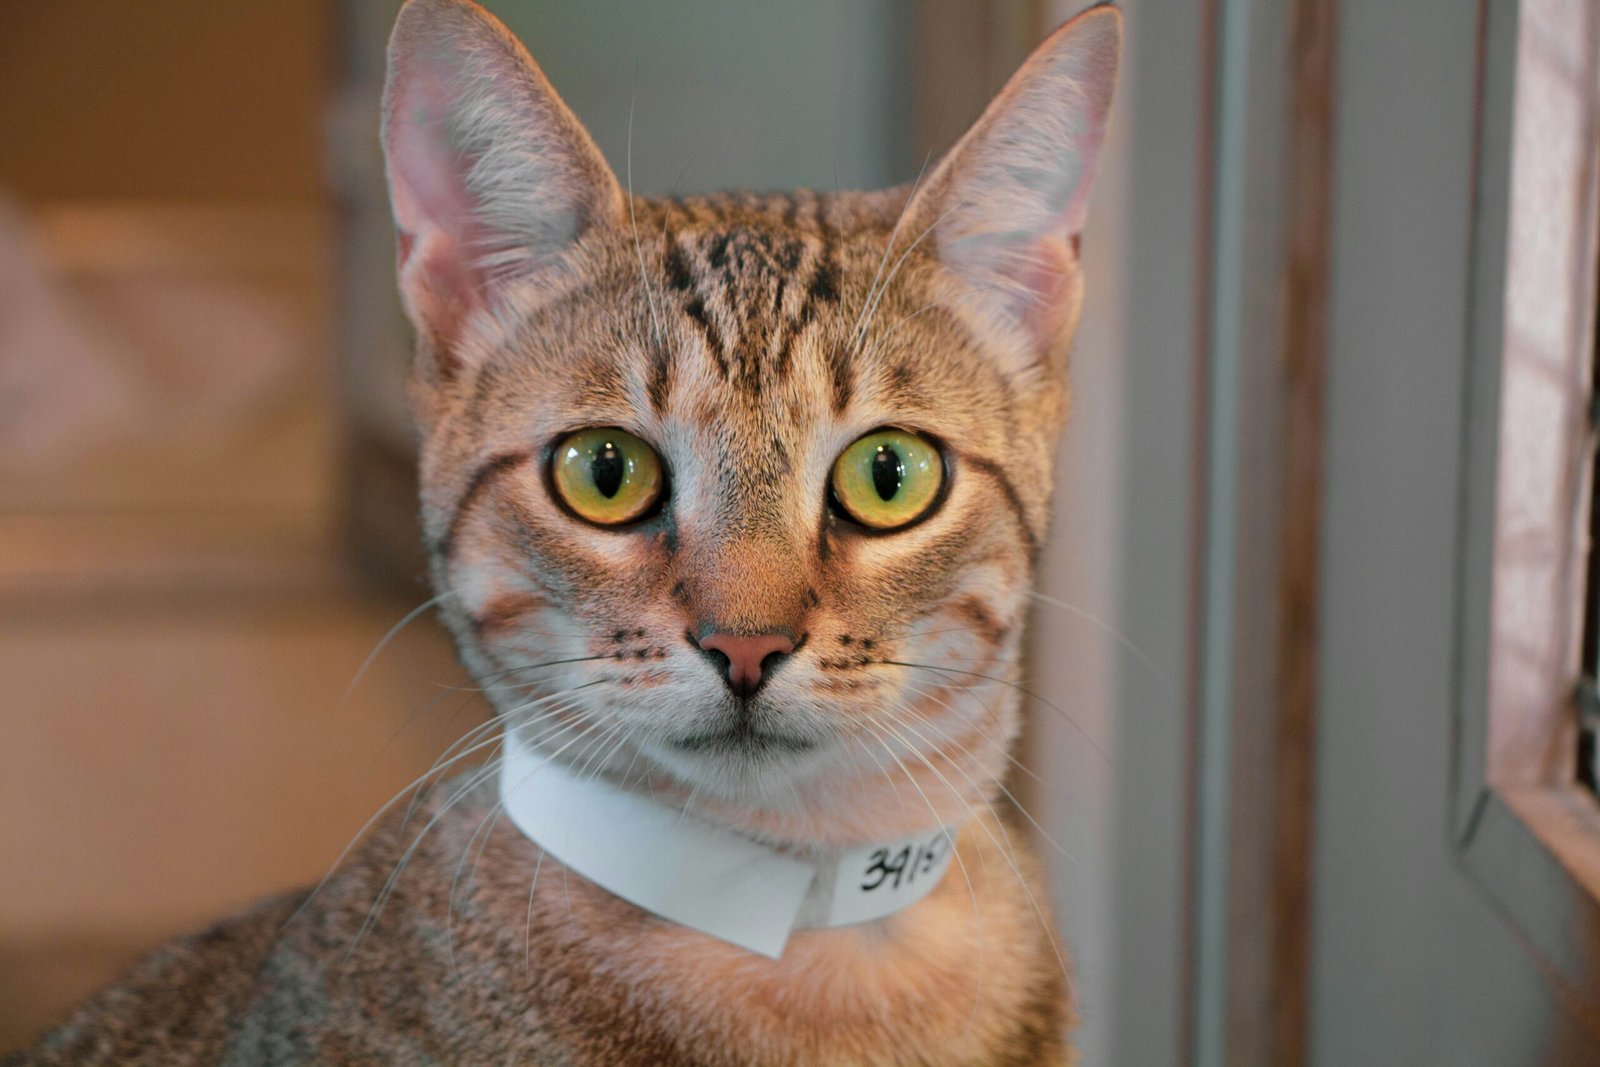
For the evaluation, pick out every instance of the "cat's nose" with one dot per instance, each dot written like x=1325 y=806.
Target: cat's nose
x=748 y=658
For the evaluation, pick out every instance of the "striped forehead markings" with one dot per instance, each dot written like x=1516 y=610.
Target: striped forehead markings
x=747 y=272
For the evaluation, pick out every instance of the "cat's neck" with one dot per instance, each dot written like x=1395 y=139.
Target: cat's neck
x=707 y=876
x=966 y=972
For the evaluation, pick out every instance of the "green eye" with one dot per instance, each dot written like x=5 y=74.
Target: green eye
x=607 y=476
x=888 y=479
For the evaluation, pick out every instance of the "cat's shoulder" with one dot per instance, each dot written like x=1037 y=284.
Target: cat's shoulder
x=175 y=1004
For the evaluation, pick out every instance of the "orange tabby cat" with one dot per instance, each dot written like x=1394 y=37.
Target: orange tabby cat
x=732 y=503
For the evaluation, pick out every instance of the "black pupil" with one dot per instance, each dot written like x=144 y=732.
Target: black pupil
x=607 y=469
x=887 y=471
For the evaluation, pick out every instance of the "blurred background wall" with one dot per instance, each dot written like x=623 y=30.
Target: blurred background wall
x=177 y=622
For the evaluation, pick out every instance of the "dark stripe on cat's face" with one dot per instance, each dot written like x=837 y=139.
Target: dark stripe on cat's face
x=480 y=481
x=791 y=209
x=821 y=295
x=659 y=386
x=1008 y=493
x=697 y=311
x=682 y=279
x=842 y=379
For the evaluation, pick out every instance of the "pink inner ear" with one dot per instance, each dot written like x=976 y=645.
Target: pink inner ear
x=435 y=211
x=438 y=289
x=1045 y=285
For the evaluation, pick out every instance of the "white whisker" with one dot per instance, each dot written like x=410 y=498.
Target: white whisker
x=394 y=631
x=633 y=221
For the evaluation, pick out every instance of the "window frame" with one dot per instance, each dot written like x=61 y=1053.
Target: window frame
x=1525 y=831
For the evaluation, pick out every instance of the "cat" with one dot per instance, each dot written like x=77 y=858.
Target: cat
x=732 y=503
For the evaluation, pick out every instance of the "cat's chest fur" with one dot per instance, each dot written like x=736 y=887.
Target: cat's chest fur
x=568 y=974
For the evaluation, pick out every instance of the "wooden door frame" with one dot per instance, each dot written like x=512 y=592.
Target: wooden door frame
x=1271 y=146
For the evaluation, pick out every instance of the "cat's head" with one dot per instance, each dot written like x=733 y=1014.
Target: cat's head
x=741 y=493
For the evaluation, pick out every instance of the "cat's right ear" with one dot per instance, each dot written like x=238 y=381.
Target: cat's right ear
x=491 y=176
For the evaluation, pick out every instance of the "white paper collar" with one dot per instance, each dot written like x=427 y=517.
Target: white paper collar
x=704 y=876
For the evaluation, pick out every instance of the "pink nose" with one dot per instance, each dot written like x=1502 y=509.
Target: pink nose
x=746 y=656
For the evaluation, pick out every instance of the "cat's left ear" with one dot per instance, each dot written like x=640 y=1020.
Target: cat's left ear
x=1004 y=208
x=490 y=175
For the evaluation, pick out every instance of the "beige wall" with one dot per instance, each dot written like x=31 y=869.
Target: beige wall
x=177 y=626
x=178 y=99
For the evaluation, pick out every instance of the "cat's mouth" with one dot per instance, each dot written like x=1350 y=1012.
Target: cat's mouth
x=743 y=738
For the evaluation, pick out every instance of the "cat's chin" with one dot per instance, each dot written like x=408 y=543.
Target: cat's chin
x=742 y=764
x=743 y=740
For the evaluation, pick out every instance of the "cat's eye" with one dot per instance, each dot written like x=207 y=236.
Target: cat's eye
x=888 y=479
x=606 y=476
